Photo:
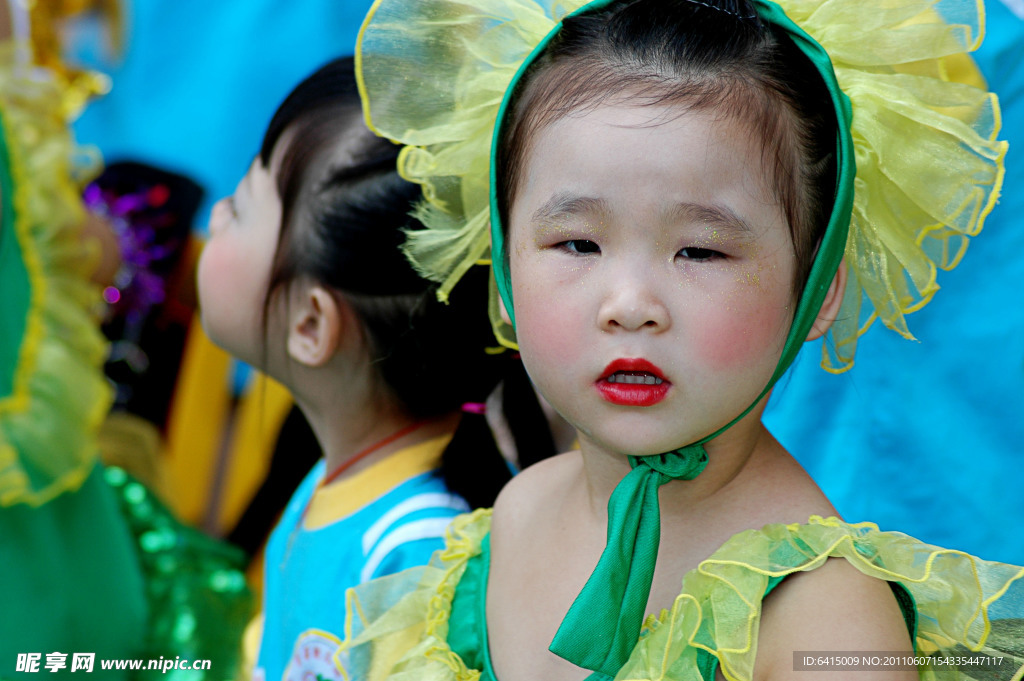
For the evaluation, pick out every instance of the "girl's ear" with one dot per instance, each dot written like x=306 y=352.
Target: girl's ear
x=503 y=311
x=830 y=307
x=314 y=326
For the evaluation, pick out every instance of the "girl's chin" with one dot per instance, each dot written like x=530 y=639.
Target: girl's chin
x=623 y=448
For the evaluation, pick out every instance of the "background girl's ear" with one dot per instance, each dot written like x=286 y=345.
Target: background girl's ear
x=314 y=326
x=830 y=307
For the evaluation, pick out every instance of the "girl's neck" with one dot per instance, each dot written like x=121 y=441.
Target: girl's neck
x=350 y=410
x=384 y=439
x=350 y=430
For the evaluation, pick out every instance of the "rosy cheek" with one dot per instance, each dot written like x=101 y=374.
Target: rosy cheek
x=210 y=269
x=546 y=330
x=221 y=272
x=735 y=338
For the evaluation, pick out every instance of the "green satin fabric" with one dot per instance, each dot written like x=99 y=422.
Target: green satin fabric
x=73 y=580
x=14 y=283
x=107 y=569
x=467 y=624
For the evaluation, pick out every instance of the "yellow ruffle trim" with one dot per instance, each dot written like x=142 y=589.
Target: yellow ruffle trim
x=719 y=607
x=397 y=627
x=48 y=422
x=928 y=162
x=47 y=20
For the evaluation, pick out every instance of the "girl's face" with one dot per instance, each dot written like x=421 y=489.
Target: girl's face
x=235 y=266
x=651 y=273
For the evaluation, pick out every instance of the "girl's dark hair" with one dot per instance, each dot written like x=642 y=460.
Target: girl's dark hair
x=345 y=211
x=696 y=55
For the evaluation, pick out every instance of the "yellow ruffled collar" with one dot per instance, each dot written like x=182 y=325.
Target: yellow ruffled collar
x=952 y=591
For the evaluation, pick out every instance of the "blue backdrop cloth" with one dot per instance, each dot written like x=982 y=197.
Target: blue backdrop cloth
x=927 y=438
x=198 y=81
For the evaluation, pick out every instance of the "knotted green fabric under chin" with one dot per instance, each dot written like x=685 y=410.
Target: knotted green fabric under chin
x=602 y=627
x=612 y=594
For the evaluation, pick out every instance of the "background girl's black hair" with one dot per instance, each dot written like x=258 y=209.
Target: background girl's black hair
x=345 y=211
x=709 y=55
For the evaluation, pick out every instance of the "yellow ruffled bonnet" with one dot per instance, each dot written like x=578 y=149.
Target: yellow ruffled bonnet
x=929 y=164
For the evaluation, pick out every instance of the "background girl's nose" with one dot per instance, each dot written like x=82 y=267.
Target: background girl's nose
x=219 y=215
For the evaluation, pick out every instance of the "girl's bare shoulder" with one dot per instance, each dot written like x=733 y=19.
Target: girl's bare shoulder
x=832 y=608
x=782 y=485
x=536 y=493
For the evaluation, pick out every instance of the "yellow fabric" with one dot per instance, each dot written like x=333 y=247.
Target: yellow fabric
x=250 y=647
x=346 y=496
x=399 y=623
x=196 y=424
x=48 y=422
x=257 y=423
x=928 y=162
x=397 y=627
x=47 y=19
x=133 y=444
x=218 y=453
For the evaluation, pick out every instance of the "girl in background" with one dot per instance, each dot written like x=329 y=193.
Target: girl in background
x=303 y=278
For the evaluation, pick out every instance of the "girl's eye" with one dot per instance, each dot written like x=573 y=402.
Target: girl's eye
x=231 y=206
x=581 y=246
x=699 y=254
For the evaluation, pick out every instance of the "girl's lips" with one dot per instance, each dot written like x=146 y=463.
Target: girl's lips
x=632 y=383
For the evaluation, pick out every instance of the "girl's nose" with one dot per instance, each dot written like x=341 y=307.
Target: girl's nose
x=219 y=215
x=633 y=304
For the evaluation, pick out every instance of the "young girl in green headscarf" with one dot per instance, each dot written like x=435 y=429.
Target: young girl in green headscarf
x=673 y=185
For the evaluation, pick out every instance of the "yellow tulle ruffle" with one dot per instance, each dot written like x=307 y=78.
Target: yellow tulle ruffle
x=929 y=166
x=397 y=627
x=47 y=24
x=49 y=418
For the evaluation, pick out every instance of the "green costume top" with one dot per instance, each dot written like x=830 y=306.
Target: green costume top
x=429 y=624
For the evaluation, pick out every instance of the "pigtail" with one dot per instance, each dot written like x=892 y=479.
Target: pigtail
x=526 y=420
x=472 y=465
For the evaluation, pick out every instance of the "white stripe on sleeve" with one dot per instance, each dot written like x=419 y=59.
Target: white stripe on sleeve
x=420 y=502
x=428 y=528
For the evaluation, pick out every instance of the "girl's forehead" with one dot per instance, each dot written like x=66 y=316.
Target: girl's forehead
x=590 y=158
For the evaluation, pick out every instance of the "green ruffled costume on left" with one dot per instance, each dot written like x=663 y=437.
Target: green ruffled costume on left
x=90 y=561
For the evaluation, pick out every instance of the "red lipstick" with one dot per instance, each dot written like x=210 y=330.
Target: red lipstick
x=632 y=383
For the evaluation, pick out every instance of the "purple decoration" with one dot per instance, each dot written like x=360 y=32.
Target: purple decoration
x=145 y=241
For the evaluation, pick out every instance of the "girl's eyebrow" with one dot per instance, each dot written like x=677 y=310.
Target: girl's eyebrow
x=564 y=204
x=722 y=218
